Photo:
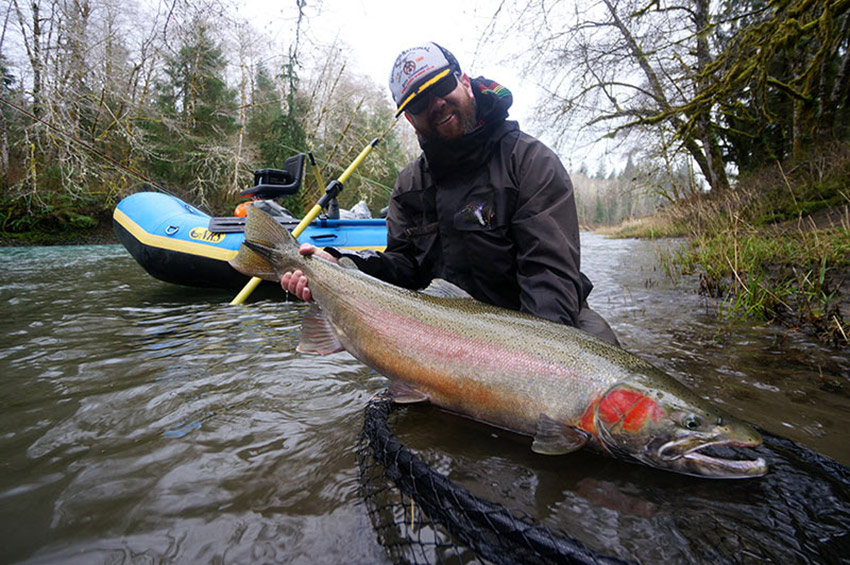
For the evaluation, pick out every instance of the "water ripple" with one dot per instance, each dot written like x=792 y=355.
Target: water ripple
x=141 y=421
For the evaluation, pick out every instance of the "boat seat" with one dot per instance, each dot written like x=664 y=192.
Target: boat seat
x=276 y=183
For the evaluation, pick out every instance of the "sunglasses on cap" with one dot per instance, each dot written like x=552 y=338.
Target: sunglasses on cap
x=421 y=100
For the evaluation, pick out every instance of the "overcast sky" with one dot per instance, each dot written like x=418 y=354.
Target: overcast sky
x=377 y=30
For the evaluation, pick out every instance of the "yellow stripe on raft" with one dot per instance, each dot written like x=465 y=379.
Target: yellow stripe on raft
x=190 y=247
x=172 y=244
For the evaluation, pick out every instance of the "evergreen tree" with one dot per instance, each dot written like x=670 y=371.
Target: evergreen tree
x=599 y=218
x=197 y=119
x=273 y=125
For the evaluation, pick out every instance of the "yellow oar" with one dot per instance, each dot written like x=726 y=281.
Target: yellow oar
x=331 y=192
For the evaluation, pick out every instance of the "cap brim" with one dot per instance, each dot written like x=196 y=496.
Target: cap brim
x=422 y=89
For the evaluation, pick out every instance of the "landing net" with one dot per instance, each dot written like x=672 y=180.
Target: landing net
x=420 y=516
x=798 y=513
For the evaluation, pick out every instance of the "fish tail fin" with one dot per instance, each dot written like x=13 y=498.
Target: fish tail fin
x=266 y=246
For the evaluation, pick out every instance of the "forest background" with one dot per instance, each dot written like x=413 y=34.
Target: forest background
x=696 y=92
x=726 y=116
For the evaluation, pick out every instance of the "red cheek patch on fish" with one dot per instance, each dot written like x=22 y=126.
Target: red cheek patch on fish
x=588 y=423
x=630 y=407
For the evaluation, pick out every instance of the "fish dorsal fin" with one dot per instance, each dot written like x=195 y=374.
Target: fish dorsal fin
x=402 y=393
x=347 y=263
x=317 y=334
x=555 y=438
x=442 y=288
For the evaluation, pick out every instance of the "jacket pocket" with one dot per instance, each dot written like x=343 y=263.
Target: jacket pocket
x=419 y=207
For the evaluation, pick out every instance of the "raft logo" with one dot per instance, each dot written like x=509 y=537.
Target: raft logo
x=203 y=234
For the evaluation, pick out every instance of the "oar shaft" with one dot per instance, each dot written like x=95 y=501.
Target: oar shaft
x=311 y=215
x=246 y=291
x=359 y=159
x=305 y=221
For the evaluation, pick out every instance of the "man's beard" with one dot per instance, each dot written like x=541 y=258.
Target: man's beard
x=465 y=113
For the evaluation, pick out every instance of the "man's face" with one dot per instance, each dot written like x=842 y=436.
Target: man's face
x=447 y=117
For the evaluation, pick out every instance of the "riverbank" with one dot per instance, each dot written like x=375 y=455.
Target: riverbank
x=102 y=233
x=776 y=247
x=794 y=275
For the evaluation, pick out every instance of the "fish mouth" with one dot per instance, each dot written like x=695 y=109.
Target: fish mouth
x=689 y=456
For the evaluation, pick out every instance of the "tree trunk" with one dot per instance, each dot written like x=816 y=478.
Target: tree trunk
x=707 y=155
x=715 y=166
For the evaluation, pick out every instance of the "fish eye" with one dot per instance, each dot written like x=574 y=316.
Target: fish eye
x=692 y=422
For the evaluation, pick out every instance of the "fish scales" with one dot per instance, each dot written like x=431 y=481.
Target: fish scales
x=564 y=387
x=481 y=373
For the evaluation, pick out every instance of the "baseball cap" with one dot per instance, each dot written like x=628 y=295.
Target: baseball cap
x=418 y=69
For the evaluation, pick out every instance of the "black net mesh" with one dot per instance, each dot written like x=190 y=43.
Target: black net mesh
x=420 y=516
x=798 y=513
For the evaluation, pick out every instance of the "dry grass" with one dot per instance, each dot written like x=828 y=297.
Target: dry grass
x=777 y=246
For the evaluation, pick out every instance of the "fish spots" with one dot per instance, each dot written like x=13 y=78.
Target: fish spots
x=631 y=408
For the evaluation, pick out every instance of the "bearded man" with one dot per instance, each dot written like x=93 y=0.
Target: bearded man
x=485 y=206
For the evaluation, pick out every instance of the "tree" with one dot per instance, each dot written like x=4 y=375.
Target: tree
x=7 y=80
x=782 y=81
x=623 y=68
x=195 y=119
x=273 y=124
x=729 y=85
x=69 y=95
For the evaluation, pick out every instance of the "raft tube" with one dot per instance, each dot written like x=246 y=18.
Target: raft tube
x=172 y=241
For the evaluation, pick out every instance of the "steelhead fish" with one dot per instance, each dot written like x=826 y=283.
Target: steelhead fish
x=564 y=387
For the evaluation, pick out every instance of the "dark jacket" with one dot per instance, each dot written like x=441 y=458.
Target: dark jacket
x=492 y=212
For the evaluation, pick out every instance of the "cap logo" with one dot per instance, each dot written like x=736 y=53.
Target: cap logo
x=415 y=65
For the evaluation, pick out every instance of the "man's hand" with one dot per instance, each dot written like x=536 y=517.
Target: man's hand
x=295 y=282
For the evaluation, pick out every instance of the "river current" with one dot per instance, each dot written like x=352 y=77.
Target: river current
x=146 y=422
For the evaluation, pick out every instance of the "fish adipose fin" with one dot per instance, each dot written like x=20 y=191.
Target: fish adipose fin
x=444 y=289
x=317 y=334
x=555 y=438
x=404 y=394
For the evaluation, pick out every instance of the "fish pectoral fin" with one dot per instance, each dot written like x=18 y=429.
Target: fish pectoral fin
x=402 y=393
x=555 y=438
x=317 y=334
x=347 y=263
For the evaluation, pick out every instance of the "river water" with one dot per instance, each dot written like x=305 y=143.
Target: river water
x=145 y=422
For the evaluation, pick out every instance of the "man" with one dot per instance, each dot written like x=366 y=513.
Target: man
x=485 y=206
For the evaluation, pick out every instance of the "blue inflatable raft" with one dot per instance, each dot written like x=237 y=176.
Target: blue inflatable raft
x=177 y=243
